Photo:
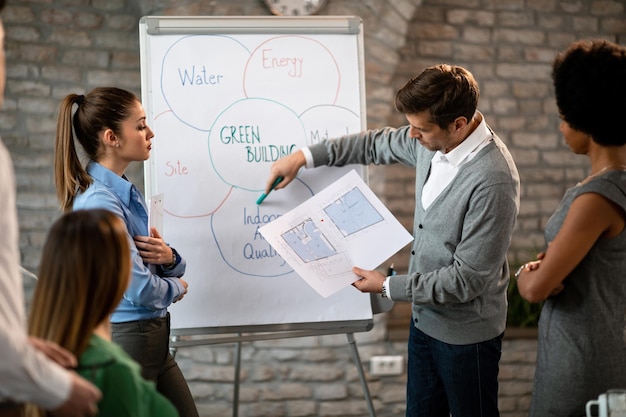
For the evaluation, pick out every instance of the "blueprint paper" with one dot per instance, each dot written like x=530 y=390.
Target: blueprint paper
x=342 y=226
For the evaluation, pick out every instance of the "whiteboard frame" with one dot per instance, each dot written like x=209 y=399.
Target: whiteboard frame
x=184 y=25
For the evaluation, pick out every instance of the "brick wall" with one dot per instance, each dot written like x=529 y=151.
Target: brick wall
x=59 y=46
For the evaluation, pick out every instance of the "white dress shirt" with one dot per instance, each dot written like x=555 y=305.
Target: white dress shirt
x=444 y=167
x=26 y=375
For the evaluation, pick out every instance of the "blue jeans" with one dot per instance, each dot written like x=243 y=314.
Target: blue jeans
x=457 y=380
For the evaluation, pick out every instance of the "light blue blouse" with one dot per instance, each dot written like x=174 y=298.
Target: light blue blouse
x=152 y=288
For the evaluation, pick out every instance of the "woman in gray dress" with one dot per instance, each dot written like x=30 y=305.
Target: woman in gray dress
x=582 y=273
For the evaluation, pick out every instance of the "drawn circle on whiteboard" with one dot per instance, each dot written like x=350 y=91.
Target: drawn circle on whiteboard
x=244 y=142
x=328 y=122
x=183 y=170
x=246 y=251
x=197 y=83
x=282 y=67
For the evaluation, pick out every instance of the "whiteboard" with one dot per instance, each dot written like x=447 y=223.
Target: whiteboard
x=226 y=97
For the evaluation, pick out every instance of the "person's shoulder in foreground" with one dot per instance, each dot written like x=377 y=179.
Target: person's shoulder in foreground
x=128 y=393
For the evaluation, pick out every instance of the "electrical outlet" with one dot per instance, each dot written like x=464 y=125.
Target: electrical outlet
x=386 y=365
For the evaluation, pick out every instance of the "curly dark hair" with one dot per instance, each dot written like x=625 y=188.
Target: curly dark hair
x=590 y=86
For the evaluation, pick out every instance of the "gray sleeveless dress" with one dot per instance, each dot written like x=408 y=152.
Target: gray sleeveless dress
x=582 y=336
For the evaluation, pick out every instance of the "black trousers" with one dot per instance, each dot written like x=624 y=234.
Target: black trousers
x=147 y=342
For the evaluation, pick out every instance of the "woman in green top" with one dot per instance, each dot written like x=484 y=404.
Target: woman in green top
x=84 y=271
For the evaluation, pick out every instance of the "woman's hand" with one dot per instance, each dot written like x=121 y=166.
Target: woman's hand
x=180 y=297
x=522 y=283
x=153 y=249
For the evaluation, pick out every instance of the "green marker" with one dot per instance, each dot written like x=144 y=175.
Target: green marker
x=276 y=182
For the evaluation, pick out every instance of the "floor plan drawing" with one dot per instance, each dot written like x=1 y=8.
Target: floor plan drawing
x=308 y=242
x=352 y=212
x=313 y=247
x=343 y=226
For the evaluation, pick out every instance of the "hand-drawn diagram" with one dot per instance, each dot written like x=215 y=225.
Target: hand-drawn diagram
x=224 y=107
x=240 y=108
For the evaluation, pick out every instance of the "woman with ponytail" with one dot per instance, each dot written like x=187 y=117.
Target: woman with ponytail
x=110 y=126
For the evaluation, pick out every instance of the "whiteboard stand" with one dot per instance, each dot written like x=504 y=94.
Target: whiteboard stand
x=193 y=337
x=237 y=377
x=177 y=342
x=359 y=368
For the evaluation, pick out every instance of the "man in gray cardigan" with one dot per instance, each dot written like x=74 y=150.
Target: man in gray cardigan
x=466 y=203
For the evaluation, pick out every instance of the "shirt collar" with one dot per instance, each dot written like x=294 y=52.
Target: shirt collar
x=119 y=185
x=460 y=153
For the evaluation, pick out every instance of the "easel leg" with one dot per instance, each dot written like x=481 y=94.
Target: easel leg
x=237 y=374
x=359 y=368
